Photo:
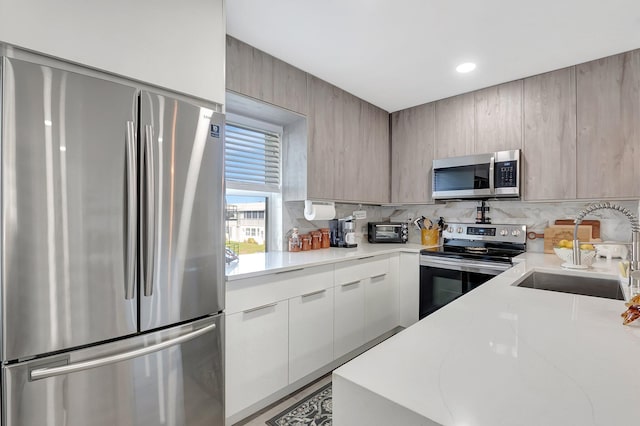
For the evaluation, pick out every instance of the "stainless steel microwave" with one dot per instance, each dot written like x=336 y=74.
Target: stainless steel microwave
x=492 y=175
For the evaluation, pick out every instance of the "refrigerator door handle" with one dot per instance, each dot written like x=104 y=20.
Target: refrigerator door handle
x=130 y=220
x=51 y=371
x=150 y=210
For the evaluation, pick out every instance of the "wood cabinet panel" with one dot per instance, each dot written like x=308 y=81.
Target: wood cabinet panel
x=348 y=147
x=370 y=165
x=412 y=146
x=550 y=136
x=455 y=126
x=608 y=124
x=498 y=118
x=253 y=73
x=325 y=139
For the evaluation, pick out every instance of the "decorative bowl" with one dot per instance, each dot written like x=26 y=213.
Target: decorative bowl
x=566 y=254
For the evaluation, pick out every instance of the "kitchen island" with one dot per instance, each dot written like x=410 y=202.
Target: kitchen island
x=502 y=355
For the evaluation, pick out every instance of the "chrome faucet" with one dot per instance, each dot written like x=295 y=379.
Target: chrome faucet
x=635 y=237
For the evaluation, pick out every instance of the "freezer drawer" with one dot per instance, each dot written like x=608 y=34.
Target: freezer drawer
x=180 y=382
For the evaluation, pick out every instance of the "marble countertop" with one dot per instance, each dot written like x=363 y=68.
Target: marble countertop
x=505 y=355
x=256 y=264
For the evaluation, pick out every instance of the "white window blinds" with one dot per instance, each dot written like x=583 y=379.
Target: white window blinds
x=251 y=158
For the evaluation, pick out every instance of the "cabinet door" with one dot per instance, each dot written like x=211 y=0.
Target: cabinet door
x=608 y=127
x=455 y=126
x=325 y=140
x=348 y=327
x=372 y=178
x=254 y=73
x=256 y=355
x=408 y=288
x=412 y=145
x=498 y=118
x=550 y=135
x=310 y=333
x=381 y=305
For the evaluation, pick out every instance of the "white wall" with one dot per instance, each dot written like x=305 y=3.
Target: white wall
x=179 y=45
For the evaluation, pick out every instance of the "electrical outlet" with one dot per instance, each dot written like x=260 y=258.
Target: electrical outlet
x=360 y=214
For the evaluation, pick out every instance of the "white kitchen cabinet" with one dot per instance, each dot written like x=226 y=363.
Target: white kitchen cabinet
x=381 y=305
x=348 y=327
x=408 y=289
x=376 y=293
x=256 y=354
x=310 y=332
x=162 y=42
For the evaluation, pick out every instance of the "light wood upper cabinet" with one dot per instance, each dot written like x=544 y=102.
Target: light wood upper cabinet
x=325 y=139
x=498 y=118
x=455 y=126
x=254 y=73
x=348 y=147
x=412 y=145
x=550 y=135
x=370 y=167
x=608 y=120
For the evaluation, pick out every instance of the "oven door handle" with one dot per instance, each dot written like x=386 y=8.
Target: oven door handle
x=466 y=266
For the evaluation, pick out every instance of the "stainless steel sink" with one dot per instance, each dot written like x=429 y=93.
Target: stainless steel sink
x=597 y=287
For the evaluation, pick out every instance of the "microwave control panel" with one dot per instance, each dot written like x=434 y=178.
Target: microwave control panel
x=506 y=174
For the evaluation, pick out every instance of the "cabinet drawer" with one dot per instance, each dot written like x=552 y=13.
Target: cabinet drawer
x=359 y=269
x=253 y=292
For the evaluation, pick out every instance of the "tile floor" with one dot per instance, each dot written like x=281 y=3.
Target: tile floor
x=260 y=418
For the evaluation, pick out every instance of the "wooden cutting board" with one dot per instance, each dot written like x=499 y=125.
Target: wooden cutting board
x=555 y=233
x=595 y=225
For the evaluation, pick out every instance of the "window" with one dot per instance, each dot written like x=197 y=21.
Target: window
x=252 y=177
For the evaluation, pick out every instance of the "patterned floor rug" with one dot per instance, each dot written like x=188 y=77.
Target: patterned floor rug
x=315 y=410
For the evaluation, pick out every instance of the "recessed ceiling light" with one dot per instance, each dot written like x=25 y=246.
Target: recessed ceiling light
x=466 y=67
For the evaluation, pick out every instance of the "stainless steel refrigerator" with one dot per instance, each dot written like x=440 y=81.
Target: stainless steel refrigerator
x=112 y=273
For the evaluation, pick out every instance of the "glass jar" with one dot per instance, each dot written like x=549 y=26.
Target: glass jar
x=306 y=242
x=325 y=241
x=294 y=240
x=316 y=238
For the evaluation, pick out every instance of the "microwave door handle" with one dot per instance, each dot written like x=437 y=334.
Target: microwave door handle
x=492 y=166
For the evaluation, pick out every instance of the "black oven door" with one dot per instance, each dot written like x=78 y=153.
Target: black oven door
x=443 y=280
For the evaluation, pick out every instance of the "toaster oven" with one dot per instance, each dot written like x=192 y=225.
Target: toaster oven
x=388 y=232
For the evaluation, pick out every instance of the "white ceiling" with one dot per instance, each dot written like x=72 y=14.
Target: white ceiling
x=401 y=53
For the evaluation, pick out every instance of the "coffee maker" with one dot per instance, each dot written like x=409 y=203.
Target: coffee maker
x=342 y=232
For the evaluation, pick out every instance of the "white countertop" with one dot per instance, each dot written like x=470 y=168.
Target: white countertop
x=505 y=355
x=256 y=264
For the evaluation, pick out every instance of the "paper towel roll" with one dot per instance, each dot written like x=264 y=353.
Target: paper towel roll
x=319 y=211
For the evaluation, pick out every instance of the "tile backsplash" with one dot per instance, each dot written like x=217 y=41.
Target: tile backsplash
x=536 y=216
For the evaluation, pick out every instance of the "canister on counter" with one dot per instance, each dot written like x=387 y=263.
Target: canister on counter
x=316 y=238
x=306 y=242
x=325 y=241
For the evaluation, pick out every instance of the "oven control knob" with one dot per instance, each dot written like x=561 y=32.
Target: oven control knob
x=459 y=230
x=504 y=232
x=515 y=232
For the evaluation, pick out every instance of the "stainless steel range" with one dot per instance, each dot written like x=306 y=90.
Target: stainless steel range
x=471 y=255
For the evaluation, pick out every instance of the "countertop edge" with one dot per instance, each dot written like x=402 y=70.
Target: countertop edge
x=259 y=264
